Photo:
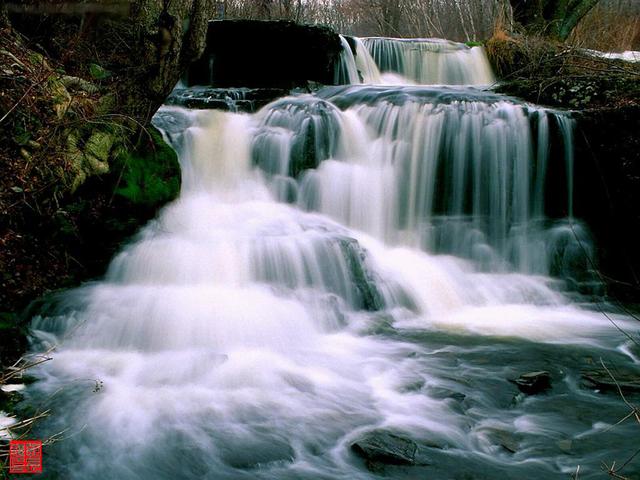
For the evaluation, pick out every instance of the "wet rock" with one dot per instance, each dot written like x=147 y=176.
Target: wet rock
x=627 y=382
x=565 y=445
x=286 y=55
x=315 y=129
x=363 y=279
x=607 y=191
x=250 y=453
x=442 y=393
x=507 y=440
x=533 y=383
x=384 y=448
x=458 y=397
x=413 y=386
x=227 y=99
x=381 y=323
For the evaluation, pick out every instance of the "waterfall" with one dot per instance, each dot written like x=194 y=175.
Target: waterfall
x=346 y=71
x=447 y=171
x=363 y=258
x=431 y=61
x=366 y=64
x=419 y=61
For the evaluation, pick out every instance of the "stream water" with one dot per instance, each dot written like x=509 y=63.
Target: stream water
x=367 y=257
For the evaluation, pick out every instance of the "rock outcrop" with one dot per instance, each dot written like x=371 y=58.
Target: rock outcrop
x=380 y=447
x=607 y=190
x=252 y=53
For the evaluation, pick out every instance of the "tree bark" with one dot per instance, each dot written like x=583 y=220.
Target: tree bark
x=551 y=18
x=168 y=36
x=144 y=45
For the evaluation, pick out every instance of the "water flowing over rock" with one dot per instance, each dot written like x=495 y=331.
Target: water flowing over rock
x=431 y=61
x=364 y=258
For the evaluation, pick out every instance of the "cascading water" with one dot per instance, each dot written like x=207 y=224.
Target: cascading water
x=431 y=61
x=360 y=259
x=346 y=71
x=444 y=170
x=393 y=61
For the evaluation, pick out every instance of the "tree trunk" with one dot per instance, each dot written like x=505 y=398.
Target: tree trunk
x=169 y=35
x=551 y=18
x=144 y=45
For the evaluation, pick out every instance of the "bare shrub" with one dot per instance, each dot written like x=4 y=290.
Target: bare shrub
x=613 y=25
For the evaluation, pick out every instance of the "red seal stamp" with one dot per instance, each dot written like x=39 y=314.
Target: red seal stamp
x=25 y=456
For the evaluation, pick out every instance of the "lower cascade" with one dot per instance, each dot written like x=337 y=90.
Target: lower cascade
x=355 y=271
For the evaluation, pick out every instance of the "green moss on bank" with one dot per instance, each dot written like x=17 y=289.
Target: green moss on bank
x=149 y=174
x=76 y=241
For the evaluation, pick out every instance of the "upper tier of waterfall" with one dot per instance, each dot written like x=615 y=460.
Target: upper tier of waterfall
x=289 y=55
x=378 y=60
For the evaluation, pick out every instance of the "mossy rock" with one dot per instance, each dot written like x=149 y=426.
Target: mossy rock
x=149 y=174
x=60 y=97
x=97 y=150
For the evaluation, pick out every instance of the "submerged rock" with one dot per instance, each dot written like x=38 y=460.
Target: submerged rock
x=533 y=382
x=334 y=264
x=258 y=452
x=626 y=382
x=381 y=447
x=507 y=440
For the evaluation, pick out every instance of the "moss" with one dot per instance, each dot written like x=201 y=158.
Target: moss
x=60 y=97
x=36 y=58
x=149 y=175
x=97 y=72
x=105 y=104
x=97 y=150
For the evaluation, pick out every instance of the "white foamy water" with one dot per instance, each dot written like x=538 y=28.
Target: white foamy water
x=364 y=258
x=411 y=61
x=431 y=61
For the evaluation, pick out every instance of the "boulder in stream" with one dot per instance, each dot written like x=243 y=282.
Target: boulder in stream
x=533 y=383
x=380 y=447
x=625 y=382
